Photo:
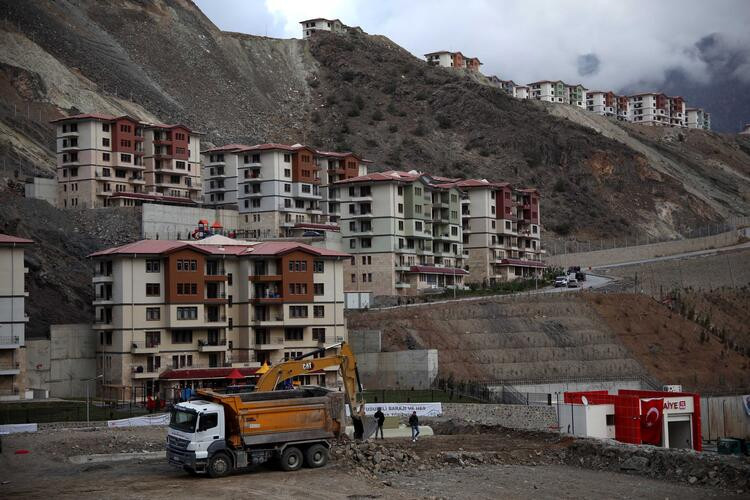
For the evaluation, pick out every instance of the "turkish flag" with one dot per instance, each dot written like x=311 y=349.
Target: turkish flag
x=651 y=421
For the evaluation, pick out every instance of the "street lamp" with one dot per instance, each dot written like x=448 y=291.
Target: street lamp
x=87 y=380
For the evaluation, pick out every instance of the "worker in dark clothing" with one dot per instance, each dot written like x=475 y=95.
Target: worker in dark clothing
x=380 y=418
x=414 y=423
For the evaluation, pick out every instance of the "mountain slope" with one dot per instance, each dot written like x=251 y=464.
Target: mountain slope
x=165 y=60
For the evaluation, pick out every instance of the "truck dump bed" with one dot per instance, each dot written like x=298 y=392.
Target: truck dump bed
x=265 y=418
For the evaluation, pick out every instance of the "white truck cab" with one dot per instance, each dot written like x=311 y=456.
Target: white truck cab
x=196 y=430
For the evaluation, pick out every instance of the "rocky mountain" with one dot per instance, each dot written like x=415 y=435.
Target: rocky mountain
x=165 y=60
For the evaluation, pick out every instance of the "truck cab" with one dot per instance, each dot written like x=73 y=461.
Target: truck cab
x=196 y=431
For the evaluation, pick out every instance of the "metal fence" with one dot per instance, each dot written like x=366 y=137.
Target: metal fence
x=561 y=246
x=65 y=411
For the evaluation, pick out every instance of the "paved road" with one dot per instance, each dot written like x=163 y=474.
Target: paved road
x=711 y=251
x=593 y=281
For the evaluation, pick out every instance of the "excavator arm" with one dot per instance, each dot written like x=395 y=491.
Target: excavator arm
x=307 y=364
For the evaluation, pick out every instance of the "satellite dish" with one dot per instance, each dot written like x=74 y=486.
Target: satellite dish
x=584 y=400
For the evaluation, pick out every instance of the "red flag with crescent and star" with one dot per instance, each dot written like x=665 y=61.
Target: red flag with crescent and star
x=651 y=424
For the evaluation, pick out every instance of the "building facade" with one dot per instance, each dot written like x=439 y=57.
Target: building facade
x=601 y=103
x=171 y=314
x=13 y=318
x=575 y=95
x=697 y=118
x=650 y=109
x=103 y=160
x=312 y=25
x=547 y=91
x=403 y=230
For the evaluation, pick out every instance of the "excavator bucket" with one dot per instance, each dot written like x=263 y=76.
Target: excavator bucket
x=364 y=427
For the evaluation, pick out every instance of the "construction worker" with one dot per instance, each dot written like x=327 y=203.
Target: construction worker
x=380 y=418
x=414 y=423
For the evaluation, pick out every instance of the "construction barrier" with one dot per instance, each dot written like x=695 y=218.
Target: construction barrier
x=141 y=421
x=399 y=409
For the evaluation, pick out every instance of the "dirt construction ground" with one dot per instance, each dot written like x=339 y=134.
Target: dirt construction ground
x=505 y=464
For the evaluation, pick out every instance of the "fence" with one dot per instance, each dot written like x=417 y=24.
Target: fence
x=562 y=246
x=65 y=411
x=417 y=396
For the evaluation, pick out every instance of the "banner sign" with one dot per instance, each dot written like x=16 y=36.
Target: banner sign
x=142 y=421
x=403 y=409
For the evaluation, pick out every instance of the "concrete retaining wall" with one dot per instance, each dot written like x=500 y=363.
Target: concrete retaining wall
x=398 y=370
x=363 y=341
x=42 y=188
x=541 y=418
x=170 y=222
x=552 y=388
x=641 y=252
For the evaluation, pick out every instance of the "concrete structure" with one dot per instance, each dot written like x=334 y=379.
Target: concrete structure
x=65 y=363
x=521 y=92
x=165 y=222
x=104 y=160
x=667 y=419
x=575 y=95
x=404 y=231
x=413 y=369
x=546 y=90
x=42 y=188
x=624 y=109
x=455 y=60
x=171 y=314
x=13 y=317
x=697 y=118
x=310 y=26
x=601 y=103
x=650 y=109
x=278 y=187
x=677 y=115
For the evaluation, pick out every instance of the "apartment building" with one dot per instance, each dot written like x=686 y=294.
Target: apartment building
x=403 y=230
x=624 y=110
x=501 y=231
x=508 y=86
x=172 y=314
x=650 y=109
x=601 y=103
x=13 y=318
x=446 y=59
x=697 y=118
x=310 y=26
x=103 y=160
x=277 y=187
x=521 y=92
x=575 y=95
x=550 y=91
x=472 y=64
x=677 y=117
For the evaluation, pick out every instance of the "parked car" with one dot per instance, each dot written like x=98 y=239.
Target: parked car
x=561 y=281
x=572 y=283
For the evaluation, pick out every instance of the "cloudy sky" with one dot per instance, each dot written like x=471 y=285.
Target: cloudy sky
x=603 y=44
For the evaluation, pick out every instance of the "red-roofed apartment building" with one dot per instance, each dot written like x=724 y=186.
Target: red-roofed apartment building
x=277 y=187
x=171 y=314
x=13 y=318
x=105 y=160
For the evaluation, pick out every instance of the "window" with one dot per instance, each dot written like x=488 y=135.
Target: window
x=105 y=338
x=293 y=333
x=400 y=208
x=152 y=289
x=319 y=311
x=125 y=158
x=298 y=266
x=287 y=172
x=182 y=336
x=287 y=158
x=298 y=288
x=400 y=225
x=352 y=243
x=318 y=266
x=74 y=171
x=105 y=156
x=208 y=421
x=105 y=127
x=366 y=242
x=354 y=278
x=187 y=288
x=319 y=334
x=187 y=265
x=319 y=288
x=186 y=313
x=152 y=266
x=153 y=314
x=105 y=142
x=418 y=225
x=400 y=190
x=297 y=311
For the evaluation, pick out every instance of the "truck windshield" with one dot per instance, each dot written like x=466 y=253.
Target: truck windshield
x=183 y=420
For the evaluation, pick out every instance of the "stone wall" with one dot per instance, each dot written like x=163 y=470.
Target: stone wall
x=541 y=418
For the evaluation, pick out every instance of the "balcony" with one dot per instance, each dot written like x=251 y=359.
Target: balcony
x=268 y=300
x=269 y=344
x=265 y=278
x=10 y=368
x=215 y=318
x=215 y=297
x=144 y=348
x=140 y=372
x=10 y=342
x=137 y=179
x=102 y=300
x=217 y=345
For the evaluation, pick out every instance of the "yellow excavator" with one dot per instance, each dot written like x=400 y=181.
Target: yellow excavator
x=308 y=363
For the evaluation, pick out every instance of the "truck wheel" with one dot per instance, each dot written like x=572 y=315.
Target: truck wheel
x=291 y=459
x=219 y=465
x=316 y=456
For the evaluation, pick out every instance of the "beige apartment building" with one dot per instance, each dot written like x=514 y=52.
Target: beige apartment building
x=172 y=314
x=104 y=160
x=13 y=318
x=279 y=189
x=403 y=230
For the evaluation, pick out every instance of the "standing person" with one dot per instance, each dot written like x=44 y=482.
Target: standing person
x=380 y=418
x=414 y=423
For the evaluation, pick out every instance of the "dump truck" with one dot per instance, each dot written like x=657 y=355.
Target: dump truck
x=216 y=434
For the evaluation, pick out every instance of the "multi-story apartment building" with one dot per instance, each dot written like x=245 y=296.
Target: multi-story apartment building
x=501 y=231
x=103 y=160
x=508 y=86
x=446 y=59
x=546 y=90
x=677 y=116
x=473 y=63
x=404 y=232
x=521 y=92
x=697 y=118
x=650 y=109
x=280 y=186
x=575 y=95
x=171 y=314
x=13 y=317
x=624 y=111
x=601 y=103
x=310 y=26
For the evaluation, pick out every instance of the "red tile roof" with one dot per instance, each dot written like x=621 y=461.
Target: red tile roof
x=390 y=175
x=472 y=183
x=205 y=373
x=6 y=239
x=282 y=247
x=438 y=270
x=85 y=116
